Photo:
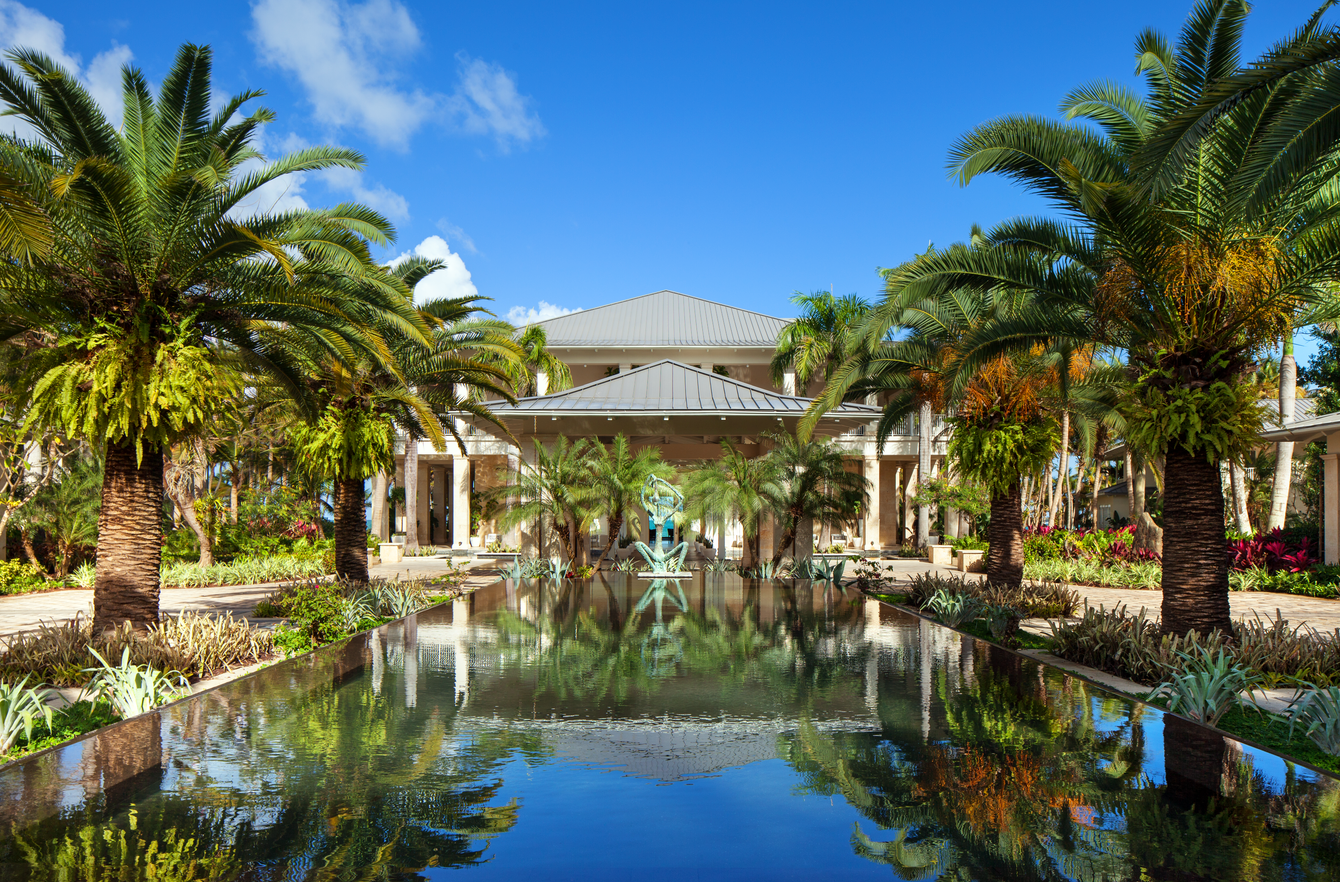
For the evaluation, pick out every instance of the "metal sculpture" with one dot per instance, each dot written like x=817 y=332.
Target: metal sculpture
x=662 y=502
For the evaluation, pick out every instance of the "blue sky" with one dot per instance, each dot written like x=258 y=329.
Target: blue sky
x=570 y=155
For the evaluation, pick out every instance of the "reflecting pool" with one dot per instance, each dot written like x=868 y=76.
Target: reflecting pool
x=706 y=729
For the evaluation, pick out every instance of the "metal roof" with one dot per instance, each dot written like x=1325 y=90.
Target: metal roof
x=665 y=318
x=670 y=387
x=1305 y=430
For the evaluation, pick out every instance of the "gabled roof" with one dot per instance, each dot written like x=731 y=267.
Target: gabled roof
x=665 y=318
x=668 y=387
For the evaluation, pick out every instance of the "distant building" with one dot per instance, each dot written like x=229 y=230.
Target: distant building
x=679 y=373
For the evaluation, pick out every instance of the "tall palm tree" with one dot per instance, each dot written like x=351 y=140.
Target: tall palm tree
x=814 y=344
x=734 y=487
x=810 y=484
x=618 y=474
x=357 y=406
x=1187 y=261
x=910 y=351
x=156 y=285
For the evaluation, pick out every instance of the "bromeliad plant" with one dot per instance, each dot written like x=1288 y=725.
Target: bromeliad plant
x=1318 y=712
x=20 y=709
x=1210 y=685
x=132 y=689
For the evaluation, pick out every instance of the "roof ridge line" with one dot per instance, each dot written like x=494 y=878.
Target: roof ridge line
x=665 y=291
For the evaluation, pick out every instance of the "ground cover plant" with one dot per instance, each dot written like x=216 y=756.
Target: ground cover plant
x=194 y=644
x=322 y=611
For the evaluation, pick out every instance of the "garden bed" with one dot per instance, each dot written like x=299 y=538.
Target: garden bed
x=194 y=646
x=1131 y=648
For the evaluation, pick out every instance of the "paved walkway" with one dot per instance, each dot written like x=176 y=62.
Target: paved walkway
x=1317 y=612
x=24 y=612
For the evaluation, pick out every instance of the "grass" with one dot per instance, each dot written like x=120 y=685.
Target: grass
x=69 y=723
x=1268 y=730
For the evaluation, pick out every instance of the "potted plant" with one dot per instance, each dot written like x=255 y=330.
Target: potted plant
x=476 y=521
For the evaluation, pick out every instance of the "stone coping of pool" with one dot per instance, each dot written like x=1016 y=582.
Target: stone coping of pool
x=678 y=574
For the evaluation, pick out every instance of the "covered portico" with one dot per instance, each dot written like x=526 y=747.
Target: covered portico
x=680 y=409
x=1303 y=432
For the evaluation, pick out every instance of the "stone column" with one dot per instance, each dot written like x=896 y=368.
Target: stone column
x=1331 y=498
x=541 y=383
x=625 y=368
x=460 y=502
x=513 y=535
x=908 y=508
x=440 y=492
x=789 y=381
x=423 y=505
x=398 y=516
x=380 y=528
x=872 y=541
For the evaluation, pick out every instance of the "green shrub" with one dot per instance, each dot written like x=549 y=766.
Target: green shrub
x=1145 y=575
x=1309 y=584
x=970 y=543
x=17 y=577
x=245 y=571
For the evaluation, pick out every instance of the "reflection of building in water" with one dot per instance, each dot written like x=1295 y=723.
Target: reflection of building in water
x=676 y=716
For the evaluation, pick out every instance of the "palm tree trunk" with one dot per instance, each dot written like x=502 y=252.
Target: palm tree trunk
x=1005 y=558
x=616 y=525
x=788 y=539
x=1062 y=470
x=1279 y=493
x=1237 y=481
x=1130 y=484
x=1094 y=489
x=1195 y=567
x=411 y=493
x=130 y=538
x=1141 y=486
x=351 y=544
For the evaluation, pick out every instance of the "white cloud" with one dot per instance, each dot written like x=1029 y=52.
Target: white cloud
x=487 y=103
x=278 y=196
x=346 y=56
x=521 y=315
x=379 y=197
x=22 y=27
x=453 y=280
x=451 y=231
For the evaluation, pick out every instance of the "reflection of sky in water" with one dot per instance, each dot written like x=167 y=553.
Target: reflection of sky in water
x=710 y=725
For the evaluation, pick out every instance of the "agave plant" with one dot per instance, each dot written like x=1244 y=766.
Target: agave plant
x=1318 y=711
x=717 y=566
x=398 y=601
x=954 y=609
x=558 y=570
x=535 y=568
x=132 y=689
x=83 y=575
x=1209 y=685
x=515 y=571
x=20 y=709
x=356 y=609
x=1003 y=620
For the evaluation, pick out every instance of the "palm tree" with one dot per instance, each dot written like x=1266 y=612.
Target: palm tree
x=810 y=484
x=1188 y=261
x=556 y=490
x=617 y=475
x=734 y=487
x=538 y=360
x=815 y=343
x=127 y=328
x=355 y=408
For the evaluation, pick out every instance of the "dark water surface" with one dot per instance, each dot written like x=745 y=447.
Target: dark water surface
x=620 y=729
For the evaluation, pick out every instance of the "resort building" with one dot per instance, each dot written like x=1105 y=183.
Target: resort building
x=678 y=373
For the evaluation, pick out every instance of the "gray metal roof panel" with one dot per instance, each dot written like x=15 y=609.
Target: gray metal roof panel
x=664 y=318
x=670 y=387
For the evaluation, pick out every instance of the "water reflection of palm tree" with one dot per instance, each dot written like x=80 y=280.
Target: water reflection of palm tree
x=1044 y=779
x=333 y=778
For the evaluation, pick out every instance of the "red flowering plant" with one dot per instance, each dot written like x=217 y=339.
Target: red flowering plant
x=1273 y=552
